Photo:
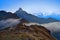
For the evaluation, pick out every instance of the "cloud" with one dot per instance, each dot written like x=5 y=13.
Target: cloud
x=8 y=23
x=29 y=24
x=53 y=27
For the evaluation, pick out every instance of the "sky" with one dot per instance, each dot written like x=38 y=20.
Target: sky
x=31 y=6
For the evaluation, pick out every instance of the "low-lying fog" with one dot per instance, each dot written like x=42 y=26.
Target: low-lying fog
x=8 y=23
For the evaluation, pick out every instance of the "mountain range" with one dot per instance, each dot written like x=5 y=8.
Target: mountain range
x=31 y=18
x=24 y=15
x=9 y=20
x=48 y=15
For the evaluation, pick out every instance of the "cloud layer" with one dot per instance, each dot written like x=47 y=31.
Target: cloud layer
x=53 y=27
x=8 y=23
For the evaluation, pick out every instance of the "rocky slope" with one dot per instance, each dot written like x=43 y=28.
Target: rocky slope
x=24 y=32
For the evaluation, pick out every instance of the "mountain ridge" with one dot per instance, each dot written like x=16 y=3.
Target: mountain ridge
x=7 y=15
x=23 y=14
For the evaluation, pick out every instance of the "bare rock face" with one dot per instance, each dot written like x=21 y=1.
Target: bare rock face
x=24 y=32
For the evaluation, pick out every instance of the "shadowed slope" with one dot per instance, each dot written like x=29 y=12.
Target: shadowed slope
x=7 y=15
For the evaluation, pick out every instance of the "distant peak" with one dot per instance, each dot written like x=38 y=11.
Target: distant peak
x=20 y=9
